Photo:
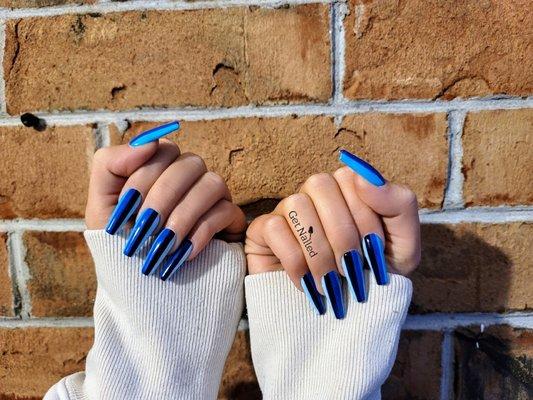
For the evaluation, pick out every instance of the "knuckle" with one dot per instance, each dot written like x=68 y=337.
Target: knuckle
x=274 y=223
x=319 y=180
x=196 y=160
x=342 y=174
x=296 y=200
x=101 y=155
x=215 y=181
x=409 y=198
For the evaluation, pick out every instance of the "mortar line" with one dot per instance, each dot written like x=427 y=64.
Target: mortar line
x=494 y=215
x=20 y=273
x=166 y=5
x=251 y=111
x=426 y=322
x=453 y=194
x=3 y=105
x=447 y=366
x=12 y=274
x=101 y=135
x=338 y=13
x=447 y=321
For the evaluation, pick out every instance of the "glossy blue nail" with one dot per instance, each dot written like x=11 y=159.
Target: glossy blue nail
x=127 y=205
x=375 y=257
x=362 y=168
x=315 y=298
x=145 y=225
x=352 y=264
x=160 y=248
x=176 y=259
x=154 y=134
x=332 y=287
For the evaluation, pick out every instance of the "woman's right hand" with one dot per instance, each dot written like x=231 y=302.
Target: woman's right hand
x=328 y=227
x=174 y=195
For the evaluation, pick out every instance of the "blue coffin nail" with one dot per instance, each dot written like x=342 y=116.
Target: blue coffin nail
x=177 y=259
x=313 y=295
x=362 y=168
x=375 y=257
x=145 y=225
x=353 y=269
x=128 y=204
x=154 y=134
x=332 y=287
x=160 y=248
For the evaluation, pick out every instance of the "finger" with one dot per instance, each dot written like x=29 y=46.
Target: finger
x=369 y=225
x=111 y=166
x=334 y=214
x=273 y=233
x=302 y=218
x=203 y=195
x=340 y=229
x=223 y=216
x=398 y=206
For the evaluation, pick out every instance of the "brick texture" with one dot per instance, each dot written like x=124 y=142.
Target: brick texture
x=437 y=49
x=493 y=364
x=498 y=157
x=217 y=57
x=63 y=281
x=6 y=291
x=41 y=3
x=33 y=359
x=474 y=267
x=238 y=380
x=44 y=174
x=417 y=370
x=271 y=158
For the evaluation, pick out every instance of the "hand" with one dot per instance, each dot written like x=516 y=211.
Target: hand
x=174 y=196
x=327 y=228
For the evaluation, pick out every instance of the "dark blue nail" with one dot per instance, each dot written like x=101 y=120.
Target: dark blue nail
x=313 y=295
x=127 y=205
x=154 y=134
x=145 y=225
x=332 y=287
x=375 y=257
x=362 y=168
x=160 y=248
x=176 y=259
x=353 y=269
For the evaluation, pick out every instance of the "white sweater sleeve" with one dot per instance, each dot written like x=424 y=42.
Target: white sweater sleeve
x=155 y=339
x=298 y=355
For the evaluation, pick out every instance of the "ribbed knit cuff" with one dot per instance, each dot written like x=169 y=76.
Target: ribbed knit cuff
x=156 y=339
x=299 y=355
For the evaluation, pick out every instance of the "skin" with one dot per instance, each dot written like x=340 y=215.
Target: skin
x=191 y=200
x=342 y=208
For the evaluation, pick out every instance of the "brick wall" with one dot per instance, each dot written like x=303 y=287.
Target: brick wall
x=434 y=93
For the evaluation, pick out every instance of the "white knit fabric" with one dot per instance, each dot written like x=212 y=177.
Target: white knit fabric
x=169 y=340
x=298 y=355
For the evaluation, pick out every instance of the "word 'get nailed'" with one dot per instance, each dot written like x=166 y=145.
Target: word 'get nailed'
x=304 y=234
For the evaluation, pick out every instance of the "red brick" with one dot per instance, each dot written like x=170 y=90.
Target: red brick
x=417 y=371
x=498 y=157
x=271 y=158
x=44 y=174
x=238 y=379
x=40 y=3
x=474 y=268
x=33 y=359
x=437 y=49
x=494 y=364
x=63 y=281
x=6 y=290
x=210 y=57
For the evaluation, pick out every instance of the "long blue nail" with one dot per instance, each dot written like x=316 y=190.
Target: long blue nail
x=154 y=134
x=145 y=225
x=160 y=248
x=128 y=204
x=332 y=287
x=313 y=295
x=362 y=168
x=375 y=257
x=353 y=269
x=176 y=260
